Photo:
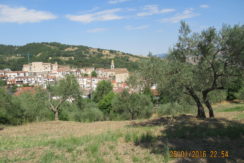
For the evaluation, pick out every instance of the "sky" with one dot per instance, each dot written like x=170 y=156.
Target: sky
x=132 y=26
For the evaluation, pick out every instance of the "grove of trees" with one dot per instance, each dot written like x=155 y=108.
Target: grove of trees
x=198 y=64
x=64 y=101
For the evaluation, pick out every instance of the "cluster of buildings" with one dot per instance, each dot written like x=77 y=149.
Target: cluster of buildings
x=43 y=74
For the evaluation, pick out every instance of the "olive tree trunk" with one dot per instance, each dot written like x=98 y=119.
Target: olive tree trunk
x=56 y=118
x=207 y=103
x=200 y=108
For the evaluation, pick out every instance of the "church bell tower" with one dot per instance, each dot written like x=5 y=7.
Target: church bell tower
x=112 y=64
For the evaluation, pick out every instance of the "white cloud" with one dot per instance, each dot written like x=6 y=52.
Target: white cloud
x=187 y=14
x=23 y=15
x=116 y=1
x=204 y=6
x=129 y=27
x=95 y=30
x=154 y=9
x=104 y=15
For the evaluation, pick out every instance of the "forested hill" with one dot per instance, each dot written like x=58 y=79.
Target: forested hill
x=14 y=57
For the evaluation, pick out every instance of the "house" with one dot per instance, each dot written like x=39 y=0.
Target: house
x=2 y=75
x=2 y=72
x=30 y=80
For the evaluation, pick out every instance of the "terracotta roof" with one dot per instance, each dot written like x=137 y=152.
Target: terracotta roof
x=11 y=80
x=116 y=70
x=113 y=81
x=108 y=70
x=10 y=72
x=118 y=90
x=92 y=78
x=19 y=71
x=124 y=84
x=24 y=77
x=121 y=70
x=22 y=90
x=99 y=68
x=51 y=77
x=155 y=92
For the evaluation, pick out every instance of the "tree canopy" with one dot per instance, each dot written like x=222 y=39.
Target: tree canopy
x=103 y=88
x=132 y=106
x=66 y=89
x=204 y=62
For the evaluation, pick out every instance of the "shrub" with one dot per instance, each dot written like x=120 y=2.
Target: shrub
x=240 y=94
x=90 y=113
x=131 y=106
x=34 y=106
x=105 y=104
x=10 y=110
x=69 y=112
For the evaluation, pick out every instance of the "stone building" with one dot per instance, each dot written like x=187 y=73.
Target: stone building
x=121 y=75
x=118 y=74
x=40 y=67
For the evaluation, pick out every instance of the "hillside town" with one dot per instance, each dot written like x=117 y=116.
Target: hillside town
x=39 y=74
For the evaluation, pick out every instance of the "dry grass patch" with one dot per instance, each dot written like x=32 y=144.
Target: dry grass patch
x=73 y=142
x=55 y=129
x=71 y=49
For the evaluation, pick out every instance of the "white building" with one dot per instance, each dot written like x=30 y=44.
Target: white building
x=14 y=74
x=89 y=83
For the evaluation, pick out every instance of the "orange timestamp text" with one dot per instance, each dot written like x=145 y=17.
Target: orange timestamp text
x=199 y=154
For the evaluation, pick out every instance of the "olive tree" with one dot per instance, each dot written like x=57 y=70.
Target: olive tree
x=103 y=88
x=203 y=62
x=65 y=89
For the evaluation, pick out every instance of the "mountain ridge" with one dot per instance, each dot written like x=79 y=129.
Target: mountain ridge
x=14 y=56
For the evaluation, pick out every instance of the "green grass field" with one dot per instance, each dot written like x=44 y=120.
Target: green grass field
x=125 y=141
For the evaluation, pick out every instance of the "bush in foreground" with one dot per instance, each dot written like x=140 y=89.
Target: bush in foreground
x=132 y=106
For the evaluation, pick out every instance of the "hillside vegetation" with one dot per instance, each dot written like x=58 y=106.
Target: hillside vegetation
x=14 y=57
